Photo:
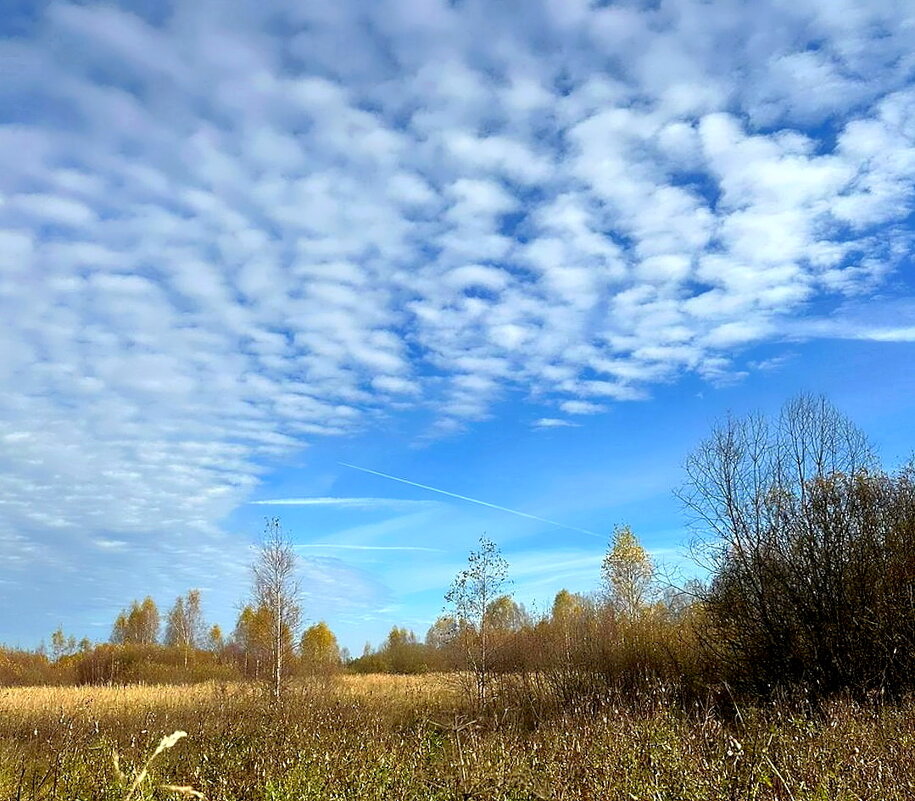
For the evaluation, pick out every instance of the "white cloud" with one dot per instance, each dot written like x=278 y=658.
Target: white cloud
x=344 y=547
x=367 y=503
x=581 y=407
x=553 y=422
x=887 y=334
x=47 y=208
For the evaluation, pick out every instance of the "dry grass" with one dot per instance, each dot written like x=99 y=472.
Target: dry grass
x=387 y=737
x=43 y=702
x=48 y=701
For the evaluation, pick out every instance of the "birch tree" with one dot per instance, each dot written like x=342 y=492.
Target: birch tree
x=628 y=574
x=471 y=596
x=276 y=589
x=184 y=624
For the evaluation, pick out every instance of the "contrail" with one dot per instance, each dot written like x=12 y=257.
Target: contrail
x=470 y=500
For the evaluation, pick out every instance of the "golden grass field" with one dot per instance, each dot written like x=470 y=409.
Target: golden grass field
x=394 y=737
x=43 y=703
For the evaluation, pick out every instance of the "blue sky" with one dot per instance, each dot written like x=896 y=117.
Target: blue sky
x=522 y=252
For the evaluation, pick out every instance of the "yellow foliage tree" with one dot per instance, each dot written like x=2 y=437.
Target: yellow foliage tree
x=252 y=639
x=628 y=574
x=319 y=650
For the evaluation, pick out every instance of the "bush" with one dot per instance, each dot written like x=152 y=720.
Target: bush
x=813 y=556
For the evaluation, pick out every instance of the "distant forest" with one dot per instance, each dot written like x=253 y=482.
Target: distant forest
x=807 y=542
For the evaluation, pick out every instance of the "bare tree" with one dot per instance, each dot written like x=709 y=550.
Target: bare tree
x=751 y=472
x=471 y=597
x=277 y=591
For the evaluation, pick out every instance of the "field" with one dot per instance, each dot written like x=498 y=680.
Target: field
x=389 y=737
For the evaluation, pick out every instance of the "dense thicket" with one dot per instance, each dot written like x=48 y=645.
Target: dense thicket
x=812 y=555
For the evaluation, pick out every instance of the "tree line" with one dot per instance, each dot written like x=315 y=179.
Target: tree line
x=806 y=542
x=486 y=632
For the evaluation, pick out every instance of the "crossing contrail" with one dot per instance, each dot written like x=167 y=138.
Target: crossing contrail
x=471 y=500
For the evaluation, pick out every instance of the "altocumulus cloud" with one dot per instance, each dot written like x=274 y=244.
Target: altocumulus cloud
x=228 y=227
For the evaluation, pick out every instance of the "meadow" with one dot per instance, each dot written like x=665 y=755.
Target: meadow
x=415 y=737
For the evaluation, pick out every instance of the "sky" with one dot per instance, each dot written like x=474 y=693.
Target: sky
x=258 y=258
